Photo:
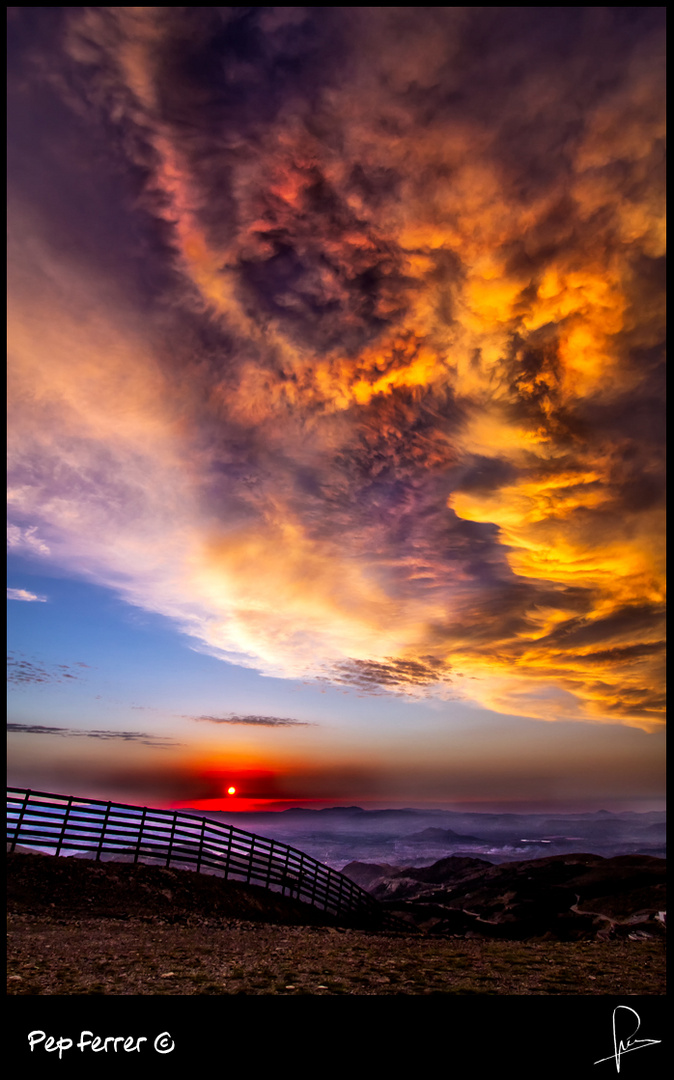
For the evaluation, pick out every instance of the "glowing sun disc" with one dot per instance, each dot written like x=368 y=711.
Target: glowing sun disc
x=231 y=791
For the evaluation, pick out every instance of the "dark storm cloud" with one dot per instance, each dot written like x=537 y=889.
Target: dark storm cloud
x=355 y=322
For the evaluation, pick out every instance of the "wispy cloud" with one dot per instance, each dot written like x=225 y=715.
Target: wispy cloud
x=24 y=594
x=158 y=741
x=21 y=671
x=368 y=384
x=24 y=540
x=259 y=721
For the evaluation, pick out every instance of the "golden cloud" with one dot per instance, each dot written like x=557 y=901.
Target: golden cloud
x=388 y=408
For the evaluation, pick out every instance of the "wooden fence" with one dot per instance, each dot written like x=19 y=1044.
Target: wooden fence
x=94 y=828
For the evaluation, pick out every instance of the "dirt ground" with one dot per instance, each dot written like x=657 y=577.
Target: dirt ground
x=143 y=956
x=79 y=928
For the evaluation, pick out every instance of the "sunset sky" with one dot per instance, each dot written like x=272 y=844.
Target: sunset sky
x=336 y=405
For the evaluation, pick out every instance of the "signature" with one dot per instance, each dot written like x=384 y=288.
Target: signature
x=620 y=1047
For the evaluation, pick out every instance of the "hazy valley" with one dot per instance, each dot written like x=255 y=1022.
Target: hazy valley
x=412 y=837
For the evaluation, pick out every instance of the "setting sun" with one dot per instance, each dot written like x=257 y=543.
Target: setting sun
x=231 y=791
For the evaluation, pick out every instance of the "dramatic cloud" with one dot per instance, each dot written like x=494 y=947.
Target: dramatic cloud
x=354 y=320
x=23 y=594
x=260 y=721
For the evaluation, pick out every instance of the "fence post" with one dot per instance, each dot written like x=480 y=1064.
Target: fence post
x=201 y=844
x=171 y=838
x=102 y=836
x=300 y=876
x=17 y=831
x=314 y=883
x=228 y=856
x=285 y=873
x=140 y=834
x=270 y=859
x=64 y=825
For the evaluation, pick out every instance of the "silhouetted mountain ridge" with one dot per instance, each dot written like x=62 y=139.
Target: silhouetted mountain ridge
x=445 y=835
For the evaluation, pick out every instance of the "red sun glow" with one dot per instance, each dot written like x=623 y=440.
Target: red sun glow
x=231 y=791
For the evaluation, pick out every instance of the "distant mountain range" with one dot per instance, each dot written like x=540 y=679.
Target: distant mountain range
x=339 y=835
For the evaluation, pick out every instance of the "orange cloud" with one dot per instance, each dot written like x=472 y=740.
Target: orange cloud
x=384 y=403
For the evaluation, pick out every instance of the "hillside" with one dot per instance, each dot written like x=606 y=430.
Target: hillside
x=568 y=897
x=122 y=890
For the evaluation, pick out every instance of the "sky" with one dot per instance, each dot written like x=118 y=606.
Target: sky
x=336 y=406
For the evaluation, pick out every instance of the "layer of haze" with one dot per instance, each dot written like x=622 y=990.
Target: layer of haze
x=336 y=340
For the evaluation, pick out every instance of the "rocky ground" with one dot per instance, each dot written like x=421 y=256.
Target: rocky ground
x=77 y=927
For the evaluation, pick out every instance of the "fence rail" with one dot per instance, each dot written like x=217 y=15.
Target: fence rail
x=95 y=828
